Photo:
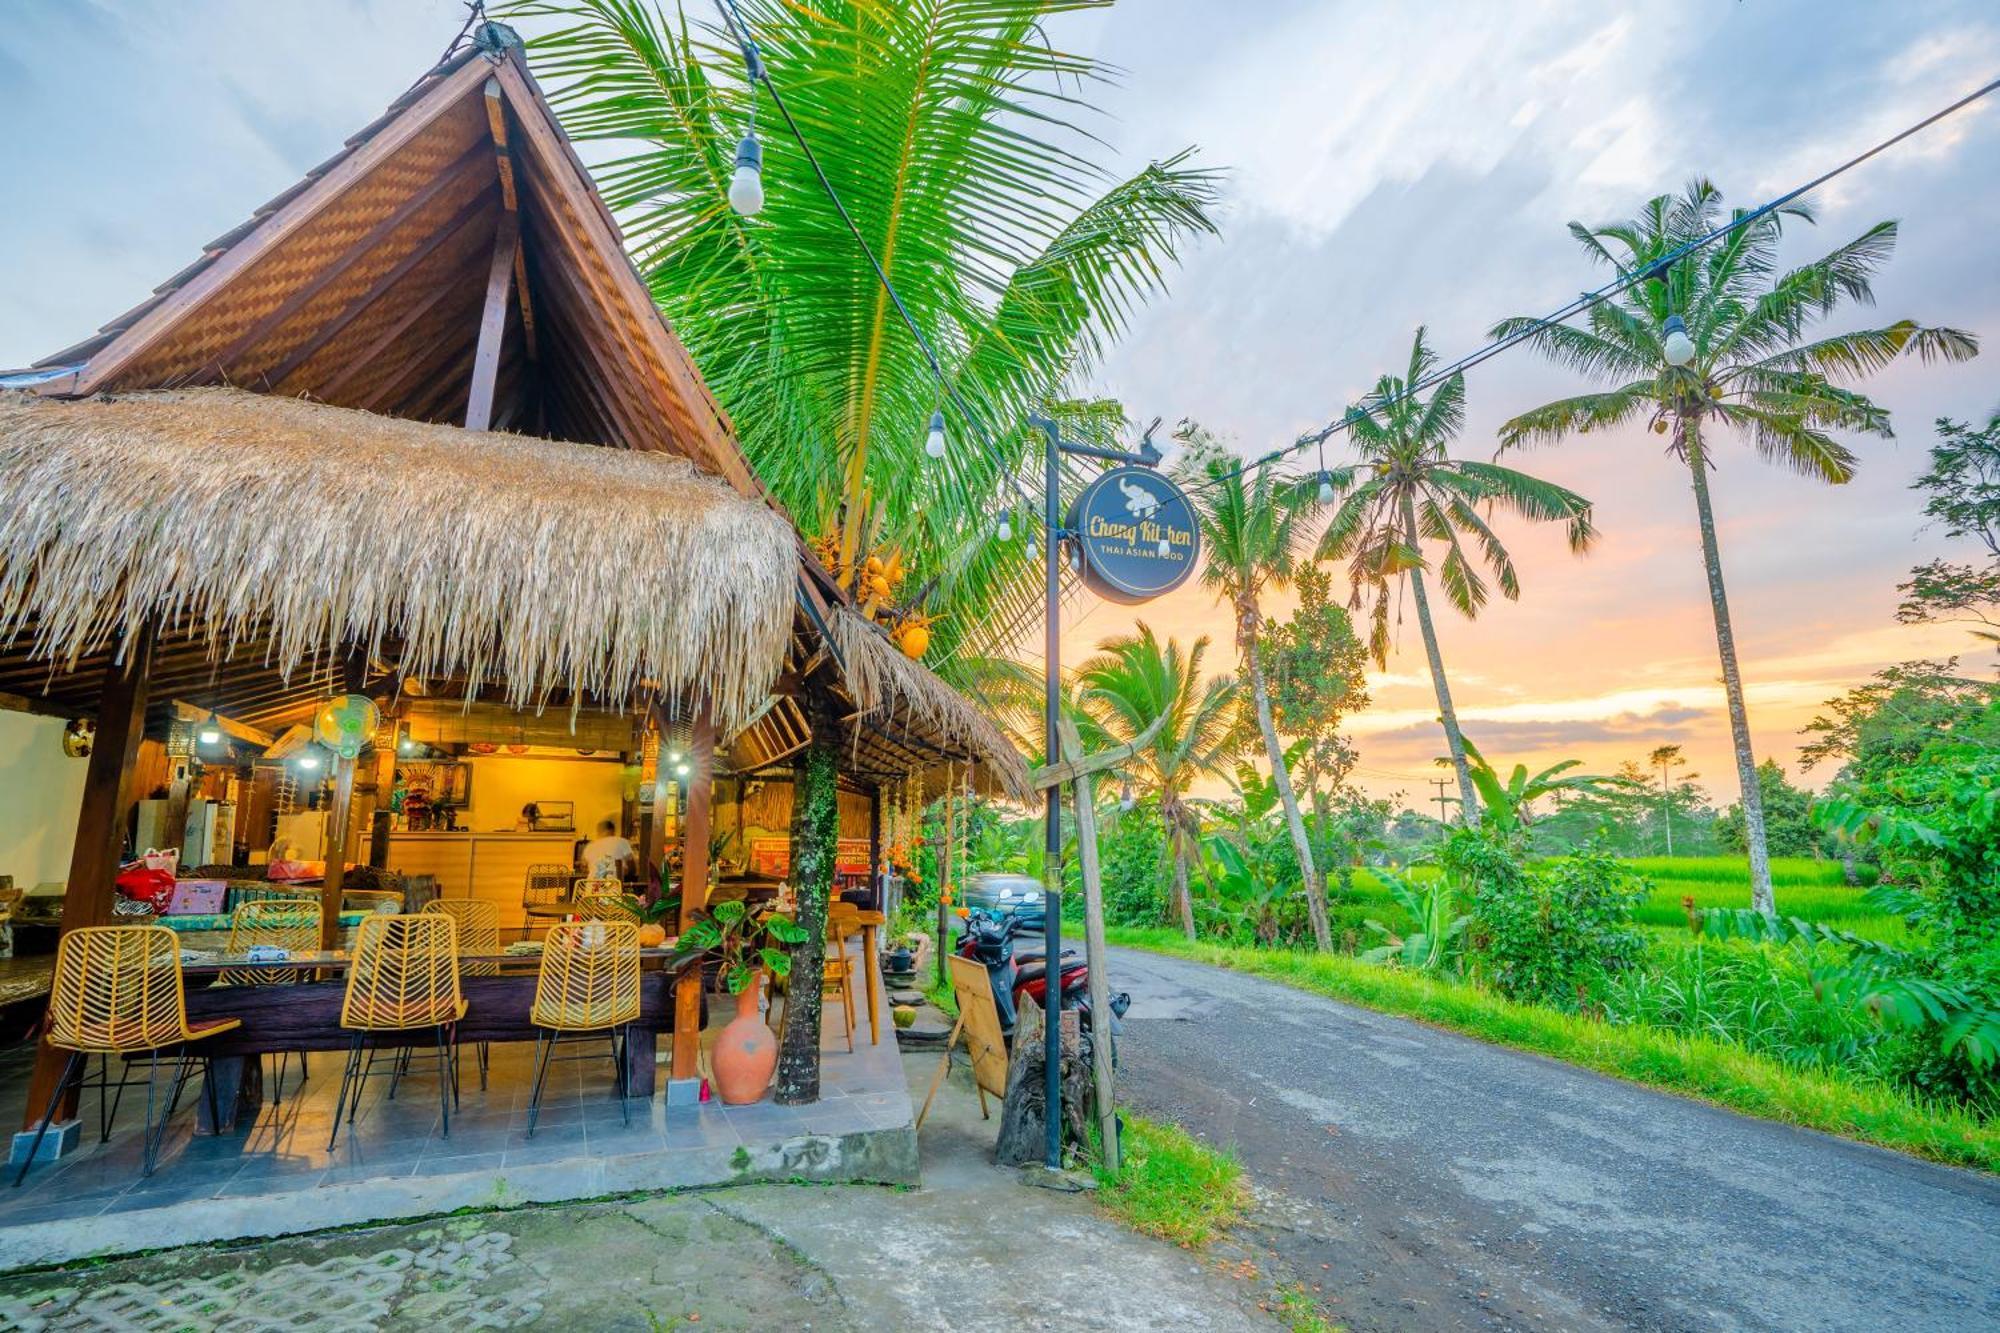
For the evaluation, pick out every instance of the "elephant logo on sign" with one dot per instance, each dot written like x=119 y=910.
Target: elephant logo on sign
x=1139 y=502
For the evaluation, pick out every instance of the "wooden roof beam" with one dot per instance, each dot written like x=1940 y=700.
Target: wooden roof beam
x=496 y=127
x=493 y=321
x=188 y=712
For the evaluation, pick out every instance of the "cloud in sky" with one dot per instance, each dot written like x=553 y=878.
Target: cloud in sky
x=1388 y=169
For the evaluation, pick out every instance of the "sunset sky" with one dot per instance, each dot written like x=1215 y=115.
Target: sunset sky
x=1388 y=169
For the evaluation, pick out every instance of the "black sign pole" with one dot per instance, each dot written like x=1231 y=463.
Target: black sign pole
x=1052 y=842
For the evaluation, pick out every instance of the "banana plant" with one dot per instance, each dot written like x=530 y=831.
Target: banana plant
x=1434 y=945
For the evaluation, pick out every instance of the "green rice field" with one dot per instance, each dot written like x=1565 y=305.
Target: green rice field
x=1815 y=890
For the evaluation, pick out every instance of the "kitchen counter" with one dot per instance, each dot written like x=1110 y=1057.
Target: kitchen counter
x=491 y=866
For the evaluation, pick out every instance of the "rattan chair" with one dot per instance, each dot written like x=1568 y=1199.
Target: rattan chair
x=478 y=949
x=605 y=887
x=118 y=992
x=546 y=897
x=604 y=908
x=588 y=984
x=291 y=924
x=404 y=979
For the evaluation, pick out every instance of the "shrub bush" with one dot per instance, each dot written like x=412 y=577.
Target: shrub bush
x=1550 y=933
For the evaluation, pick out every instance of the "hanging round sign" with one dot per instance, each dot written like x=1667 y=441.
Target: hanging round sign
x=1138 y=534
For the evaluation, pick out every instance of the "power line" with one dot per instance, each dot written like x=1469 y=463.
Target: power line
x=1597 y=297
x=759 y=72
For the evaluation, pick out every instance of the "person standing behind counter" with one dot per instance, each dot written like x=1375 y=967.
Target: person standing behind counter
x=608 y=856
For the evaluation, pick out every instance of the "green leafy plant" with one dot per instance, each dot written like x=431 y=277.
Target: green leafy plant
x=738 y=936
x=1433 y=944
x=1551 y=932
x=1507 y=804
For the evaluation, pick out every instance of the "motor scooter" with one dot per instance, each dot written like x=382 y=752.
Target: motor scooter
x=1021 y=980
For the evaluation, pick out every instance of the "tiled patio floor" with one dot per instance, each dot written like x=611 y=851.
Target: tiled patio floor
x=277 y=1176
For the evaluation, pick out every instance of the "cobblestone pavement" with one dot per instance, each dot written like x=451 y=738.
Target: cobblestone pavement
x=972 y=1248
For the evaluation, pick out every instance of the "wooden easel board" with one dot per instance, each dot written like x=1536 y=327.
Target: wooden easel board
x=980 y=1015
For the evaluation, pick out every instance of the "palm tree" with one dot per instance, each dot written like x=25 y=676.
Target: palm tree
x=1749 y=367
x=1251 y=525
x=1134 y=679
x=1667 y=758
x=958 y=141
x=1406 y=491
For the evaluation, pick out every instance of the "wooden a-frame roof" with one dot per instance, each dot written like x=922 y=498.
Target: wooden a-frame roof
x=364 y=286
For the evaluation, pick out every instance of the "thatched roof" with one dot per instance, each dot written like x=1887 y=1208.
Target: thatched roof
x=907 y=698
x=307 y=529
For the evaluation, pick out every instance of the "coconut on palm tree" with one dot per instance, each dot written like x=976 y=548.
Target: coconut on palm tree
x=1252 y=524
x=957 y=138
x=1407 y=492
x=1135 y=679
x=1720 y=339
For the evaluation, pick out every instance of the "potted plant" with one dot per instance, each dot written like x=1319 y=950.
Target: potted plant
x=746 y=1051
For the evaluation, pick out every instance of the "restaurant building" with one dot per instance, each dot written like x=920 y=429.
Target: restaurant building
x=411 y=450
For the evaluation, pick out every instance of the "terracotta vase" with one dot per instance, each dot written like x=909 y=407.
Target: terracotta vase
x=746 y=1051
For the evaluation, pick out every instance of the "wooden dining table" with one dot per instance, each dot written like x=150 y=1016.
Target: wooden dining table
x=305 y=1016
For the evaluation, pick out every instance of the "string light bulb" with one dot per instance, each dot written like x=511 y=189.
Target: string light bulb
x=1005 y=531
x=1166 y=548
x=1325 y=488
x=1678 y=346
x=1075 y=559
x=1033 y=549
x=934 y=442
x=211 y=731
x=746 y=187
x=1126 y=800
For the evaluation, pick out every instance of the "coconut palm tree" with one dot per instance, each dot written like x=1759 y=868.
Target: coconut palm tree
x=1406 y=491
x=1136 y=678
x=957 y=138
x=1252 y=524
x=1744 y=363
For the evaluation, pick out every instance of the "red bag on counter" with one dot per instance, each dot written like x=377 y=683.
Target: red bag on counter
x=150 y=879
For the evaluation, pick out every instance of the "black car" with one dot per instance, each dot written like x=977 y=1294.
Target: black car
x=1002 y=894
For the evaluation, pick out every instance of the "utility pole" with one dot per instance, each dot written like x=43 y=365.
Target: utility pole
x=1440 y=798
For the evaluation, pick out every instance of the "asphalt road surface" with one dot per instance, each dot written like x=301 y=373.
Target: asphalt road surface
x=1428 y=1181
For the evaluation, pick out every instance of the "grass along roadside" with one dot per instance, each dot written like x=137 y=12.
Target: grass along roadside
x=1715 y=1071
x=1172 y=1186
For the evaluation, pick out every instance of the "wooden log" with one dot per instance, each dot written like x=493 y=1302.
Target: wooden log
x=1023 y=1139
x=1098 y=953
x=493 y=323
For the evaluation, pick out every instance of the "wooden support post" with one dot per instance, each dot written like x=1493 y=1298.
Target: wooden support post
x=694 y=884
x=1096 y=952
x=652 y=814
x=336 y=854
x=381 y=816
x=876 y=880
x=493 y=323
x=100 y=830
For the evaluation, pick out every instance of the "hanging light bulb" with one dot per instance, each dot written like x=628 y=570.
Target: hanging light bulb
x=680 y=770
x=934 y=442
x=1075 y=559
x=211 y=731
x=1033 y=550
x=746 y=187
x=1166 y=548
x=1679 y=347
x=308 y=759
x=1126 y=800
x=403 y=741
x=1325 y=488
x=1005 y=531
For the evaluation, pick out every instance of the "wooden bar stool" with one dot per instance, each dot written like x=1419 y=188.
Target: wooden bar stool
x=587 y=985
x=404 y=979
x=118 y=991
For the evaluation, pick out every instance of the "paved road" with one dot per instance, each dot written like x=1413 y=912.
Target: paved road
x=1433 y=1182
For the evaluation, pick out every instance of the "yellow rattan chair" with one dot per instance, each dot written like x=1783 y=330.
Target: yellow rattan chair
x=610 y=887
x=283 y=923
x=588 y=985
x=604 y=908
x=478 y=949
x=118 y=992
x=403 y=979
